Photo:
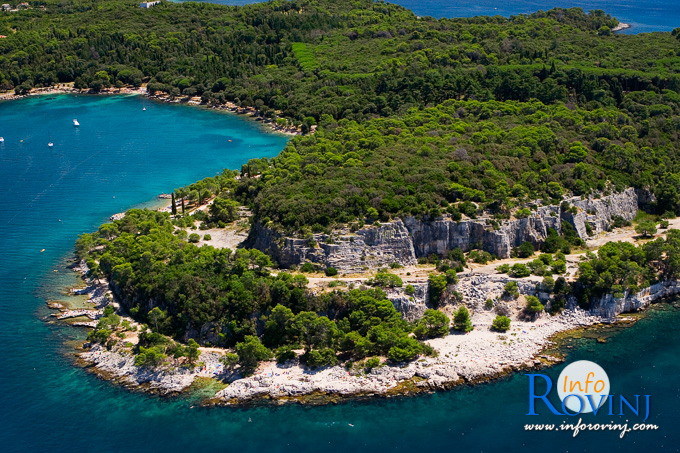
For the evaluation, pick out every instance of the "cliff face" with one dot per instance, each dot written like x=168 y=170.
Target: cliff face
x=443 y=234
x=404 y=241
x=608 y=306
x=412 y=307
x=348 y=252
x=600 y=213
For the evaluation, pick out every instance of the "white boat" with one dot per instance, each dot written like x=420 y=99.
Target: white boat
x=76 y=123
x=50 y=144
x=2 y=140
x=144 y=109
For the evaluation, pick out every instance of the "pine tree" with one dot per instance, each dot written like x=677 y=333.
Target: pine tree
x=174 y=207
x=461 y=320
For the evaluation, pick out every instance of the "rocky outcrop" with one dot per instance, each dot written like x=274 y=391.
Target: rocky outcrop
x=443 y=234
x=411 y=306
x=120 y=365
x=609 y=306
x=600 y=213
x=403 y=241
x=374 y=247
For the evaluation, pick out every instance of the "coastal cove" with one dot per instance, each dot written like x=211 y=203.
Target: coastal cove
x=48 y=400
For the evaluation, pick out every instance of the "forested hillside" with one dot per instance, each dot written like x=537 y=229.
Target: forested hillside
x=465 y=157
x=608 y=110
x=354 y=59
x=415 y=116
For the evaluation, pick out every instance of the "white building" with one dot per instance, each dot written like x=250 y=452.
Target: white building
x=6 y=7
x=149 y=4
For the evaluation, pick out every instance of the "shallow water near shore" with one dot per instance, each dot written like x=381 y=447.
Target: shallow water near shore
x=50 y=196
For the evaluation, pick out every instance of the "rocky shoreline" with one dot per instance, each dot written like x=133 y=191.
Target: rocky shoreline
x=478 y=356
x=621 y=26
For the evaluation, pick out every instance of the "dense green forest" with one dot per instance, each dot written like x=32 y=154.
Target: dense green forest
x=179 y=288
x=415 y=115
x=351 y=59
x=620 y=266
x=534 y=106
x=497 y=155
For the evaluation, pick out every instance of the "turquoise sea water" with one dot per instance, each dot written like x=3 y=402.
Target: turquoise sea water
x=49 y=196
x=644 y=15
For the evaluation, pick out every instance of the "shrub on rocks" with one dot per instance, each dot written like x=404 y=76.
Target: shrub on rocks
x=481 y=256
x=307 y=268
x=523 y=213
x=519 y=270
x=320 y=357
x=502 y=309
x=437 y=284
x=451 y=277
x=385 y=280
x=407 y=349
x=534 y=305
x=434 y=323
x=373 y=362
x=537 y=267
x=559 y=267
x=251 y=351
x=501 y=323
x=548 y=284
x=503 y=268
x=284 y=354
x=525 y=250
x=546 y=258
x=229 y=360
x=511 y=290
x=331 y=271
x=150 y=357
x=557 y=304
x=461 y=320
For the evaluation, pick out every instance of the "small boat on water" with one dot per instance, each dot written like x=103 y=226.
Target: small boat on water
x=50 y=144
x=2 y=140
x=76 y=123
x=144 y=109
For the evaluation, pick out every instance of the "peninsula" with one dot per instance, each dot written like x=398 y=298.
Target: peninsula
x=471 y=187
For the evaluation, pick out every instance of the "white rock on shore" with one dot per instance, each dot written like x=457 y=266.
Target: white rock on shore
x=163 y=379
x=479 y=354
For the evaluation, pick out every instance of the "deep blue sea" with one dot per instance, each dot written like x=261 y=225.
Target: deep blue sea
x=644 y=15
x=122 y=157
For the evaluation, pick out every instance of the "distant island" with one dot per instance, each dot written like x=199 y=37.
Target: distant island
x=457 y=191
